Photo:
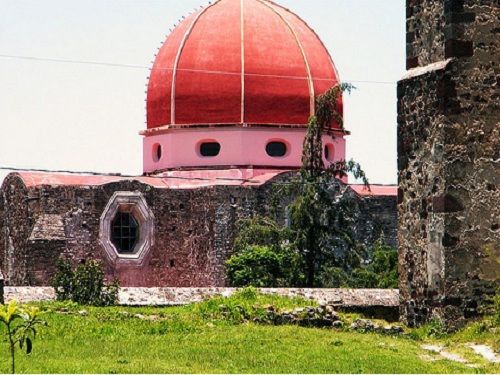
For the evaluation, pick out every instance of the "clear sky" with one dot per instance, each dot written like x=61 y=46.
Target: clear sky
x=84 y=117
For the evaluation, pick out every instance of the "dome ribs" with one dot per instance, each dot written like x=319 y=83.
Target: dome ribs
x=212 y=94
x=301 y=48
x=242 y=35
x=177 y=59
x=160 y=80
x=250 y=62
x=323 y=71
x=276 y=87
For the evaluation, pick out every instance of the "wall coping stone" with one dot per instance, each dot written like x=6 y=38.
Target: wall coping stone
x=181 y=296
x=421 y=70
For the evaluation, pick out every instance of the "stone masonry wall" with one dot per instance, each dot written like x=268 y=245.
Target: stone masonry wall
x=193 y=230
x=425 y=22
x=448 y=154
x=16 y=219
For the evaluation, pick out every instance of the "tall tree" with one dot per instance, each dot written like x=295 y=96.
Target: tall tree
x=321 y=216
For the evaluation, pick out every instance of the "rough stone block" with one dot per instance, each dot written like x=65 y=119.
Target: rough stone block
x=446 y=203
x=458 y=48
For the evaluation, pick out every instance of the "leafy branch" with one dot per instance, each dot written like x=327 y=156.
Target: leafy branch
x=21 y=324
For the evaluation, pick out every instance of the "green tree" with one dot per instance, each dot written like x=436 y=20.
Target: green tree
x=321 y=248
x=321 y=215
x=385 y=265
x=21 y=324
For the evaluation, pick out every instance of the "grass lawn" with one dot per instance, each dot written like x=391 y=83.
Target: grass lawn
x=197 y=339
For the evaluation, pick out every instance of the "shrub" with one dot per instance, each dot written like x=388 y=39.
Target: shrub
x=263 y=255
x=20 y=328
x=334 y=277
x=496 y=308
x=84 y=285
x=491 y=308
x=385 y=265
x=262 y=266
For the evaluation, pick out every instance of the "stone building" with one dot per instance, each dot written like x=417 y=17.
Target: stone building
x=228 y=102
x=448 y=147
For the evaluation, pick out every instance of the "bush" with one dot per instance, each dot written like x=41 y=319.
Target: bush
x=385 y=265
x=266 y=256
x=84 y=285
x=263 y=255
x=334 y=277
x=262 y=266
x=491 y=308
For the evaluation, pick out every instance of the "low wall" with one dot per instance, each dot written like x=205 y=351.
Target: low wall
x=182 y=296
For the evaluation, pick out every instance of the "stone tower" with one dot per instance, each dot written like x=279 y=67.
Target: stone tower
x=448 y=155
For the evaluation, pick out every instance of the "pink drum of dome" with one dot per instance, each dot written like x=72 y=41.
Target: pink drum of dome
x=232 y=81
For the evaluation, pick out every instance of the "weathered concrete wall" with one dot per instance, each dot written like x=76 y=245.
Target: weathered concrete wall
x=193 y=230
x=448 y=154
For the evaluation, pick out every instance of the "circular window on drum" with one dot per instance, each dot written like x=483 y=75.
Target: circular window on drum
x=209 y=149
x=276 y=149
x=157 y=152
x=330 y=152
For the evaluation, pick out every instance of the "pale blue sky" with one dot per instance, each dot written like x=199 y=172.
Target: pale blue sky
x=86 y=117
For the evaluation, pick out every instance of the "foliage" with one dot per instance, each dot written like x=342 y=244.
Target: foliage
x=84 y=285
x=322 y=223
x=263 y=255
x=433 y=329
x=260 y=231
x=63 y=280
x=20 y=328
x=496 y=308
x=384 y=265
x=262 y=266
x=381 y=271
x=322 y=216
x=319 y=247
x=491 y=309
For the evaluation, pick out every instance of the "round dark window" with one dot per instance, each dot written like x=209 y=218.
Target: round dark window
x=157 y=152
x=329 y=152
x=124 y=232
x=276 y=149
x=210 y=149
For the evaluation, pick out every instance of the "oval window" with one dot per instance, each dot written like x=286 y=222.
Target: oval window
x=157 y=152
x=210 y=149
x=276 y=149
x=329 y=152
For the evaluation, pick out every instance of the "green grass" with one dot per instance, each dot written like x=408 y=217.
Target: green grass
x=208 y=338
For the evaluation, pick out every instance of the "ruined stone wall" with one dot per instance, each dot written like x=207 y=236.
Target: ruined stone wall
x=425 y=23
x=448 y=153
x=15 y=221
x=378 y=218
x=193 y=230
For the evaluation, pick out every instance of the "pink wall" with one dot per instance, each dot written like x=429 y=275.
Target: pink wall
x=239 y=147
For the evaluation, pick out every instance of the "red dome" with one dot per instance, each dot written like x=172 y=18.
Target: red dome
x=239 y=61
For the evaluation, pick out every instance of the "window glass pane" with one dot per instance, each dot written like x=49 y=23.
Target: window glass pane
x=124 y=232
x=276 y=149
x=210 y=149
